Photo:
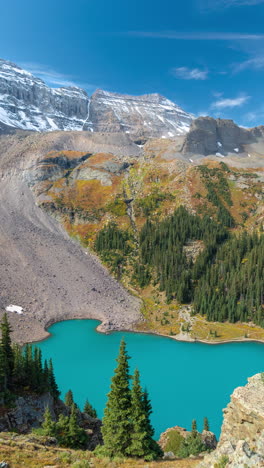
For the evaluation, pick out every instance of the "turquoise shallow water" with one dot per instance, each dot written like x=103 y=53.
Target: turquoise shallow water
x=185 y=380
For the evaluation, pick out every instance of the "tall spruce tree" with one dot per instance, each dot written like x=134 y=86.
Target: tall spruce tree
x=77 y=437
x=142 y=444
x=155 y=448
x=2 y=375
x=139 y=434
x=7 y=356
x=116 y=426
x=53 y=387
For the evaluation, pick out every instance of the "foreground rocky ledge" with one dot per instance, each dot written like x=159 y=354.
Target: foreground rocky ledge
x=241 y=442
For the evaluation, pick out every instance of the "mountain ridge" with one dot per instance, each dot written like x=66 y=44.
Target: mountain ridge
x=26 y=102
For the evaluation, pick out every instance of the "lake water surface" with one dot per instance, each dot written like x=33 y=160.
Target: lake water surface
x=185 y=380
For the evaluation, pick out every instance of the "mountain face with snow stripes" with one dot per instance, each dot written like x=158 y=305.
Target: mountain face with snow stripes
x=27 y=103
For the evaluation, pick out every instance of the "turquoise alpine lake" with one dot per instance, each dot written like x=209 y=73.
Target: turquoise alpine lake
x=185 y=381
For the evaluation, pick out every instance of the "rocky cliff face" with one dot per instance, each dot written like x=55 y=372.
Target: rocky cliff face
x=218 y=136
x=28 y=412
x=26 y=102
x=142 y=117
x=242 y=437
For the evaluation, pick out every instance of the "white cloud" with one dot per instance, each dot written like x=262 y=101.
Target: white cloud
x=197 y=36
x=218 y=4
x=255 y=117
x=254 y=63
x=230 y=103
x=54 y=78
x=217 y=94
x=185 y=73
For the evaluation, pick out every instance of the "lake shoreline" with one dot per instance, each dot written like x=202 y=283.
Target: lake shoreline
x=101 y=328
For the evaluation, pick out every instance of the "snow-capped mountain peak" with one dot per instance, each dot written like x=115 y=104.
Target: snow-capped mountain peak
x=26 y=102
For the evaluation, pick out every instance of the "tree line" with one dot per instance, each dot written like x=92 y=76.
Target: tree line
x=232 y=287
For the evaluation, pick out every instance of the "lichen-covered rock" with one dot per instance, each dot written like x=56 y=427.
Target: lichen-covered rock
x=242 y=436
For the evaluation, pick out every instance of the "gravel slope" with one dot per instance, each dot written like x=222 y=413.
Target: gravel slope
x=45 y=271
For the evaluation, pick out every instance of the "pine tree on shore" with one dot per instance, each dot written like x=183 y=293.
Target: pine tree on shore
x=153 y=445
x=7 y=356
x=138 y=420
x=53 y=387
x=2 y=375
x=116 y=421
x=142 y=444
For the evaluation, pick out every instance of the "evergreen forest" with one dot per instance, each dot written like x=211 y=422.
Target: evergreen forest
x=224 y=281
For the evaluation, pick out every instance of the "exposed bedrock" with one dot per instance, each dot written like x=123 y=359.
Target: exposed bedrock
x=241 y=442
x=208 y=136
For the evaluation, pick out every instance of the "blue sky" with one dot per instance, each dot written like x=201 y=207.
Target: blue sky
x=205 y=55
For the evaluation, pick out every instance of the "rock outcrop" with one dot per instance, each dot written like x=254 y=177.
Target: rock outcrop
x=28 y=413
x=207 y=437
x=241 y=442
x=218 y=136
x=26 y=102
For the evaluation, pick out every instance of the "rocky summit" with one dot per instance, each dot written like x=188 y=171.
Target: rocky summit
x=27 y=103
x=219 y=136
x=241 y=442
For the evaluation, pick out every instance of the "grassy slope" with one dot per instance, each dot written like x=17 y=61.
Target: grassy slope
x=30 y=452
x=157 y=187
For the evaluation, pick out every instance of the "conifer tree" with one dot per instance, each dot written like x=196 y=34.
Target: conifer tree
x=53 y=387
x=194 y=427
x=7 y=352
x=48 y=425
x=62 y=430
x=88 y=409
x=155 y=448
x=139 y=434
x=68 y=400
x=46 y=375
x=18 y=370
x=142 y=444
x=206 y=424
x=116 y=421
x=2 y=374
x=77 y=435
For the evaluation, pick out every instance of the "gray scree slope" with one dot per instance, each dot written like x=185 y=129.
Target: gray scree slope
x=42 y=269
